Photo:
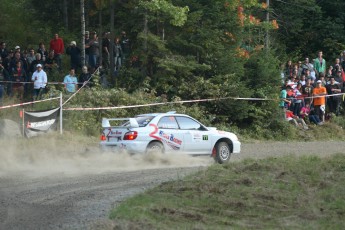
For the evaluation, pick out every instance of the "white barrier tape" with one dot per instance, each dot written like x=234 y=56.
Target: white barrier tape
x=48 y=83
x=166 y=103
x=187 y=101
x=331 y=95
x=27 y=103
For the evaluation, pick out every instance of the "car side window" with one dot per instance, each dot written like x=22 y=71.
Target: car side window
x=187 y=123
x=167 y=123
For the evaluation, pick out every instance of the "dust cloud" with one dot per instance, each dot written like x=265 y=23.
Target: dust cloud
x=53 y=154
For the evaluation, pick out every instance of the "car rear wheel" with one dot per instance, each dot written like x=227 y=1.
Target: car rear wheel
x=223 y=153
x=155 y=147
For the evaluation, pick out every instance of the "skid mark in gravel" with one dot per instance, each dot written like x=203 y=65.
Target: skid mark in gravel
x=44 y=156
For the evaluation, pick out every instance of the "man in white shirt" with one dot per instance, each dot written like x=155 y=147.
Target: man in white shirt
x=40 y=81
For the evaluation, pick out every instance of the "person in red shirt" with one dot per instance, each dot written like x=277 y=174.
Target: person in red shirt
x=18 y=77
x=57 y=45
x=298 y=122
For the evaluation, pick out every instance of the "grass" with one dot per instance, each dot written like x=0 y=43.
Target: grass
x=274 y=193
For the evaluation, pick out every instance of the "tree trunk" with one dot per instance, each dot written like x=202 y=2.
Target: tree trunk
x=65 y=14
x=82 y=19
x=100 y=37
x=72 y=16
x=111 y=48
x=145 y=31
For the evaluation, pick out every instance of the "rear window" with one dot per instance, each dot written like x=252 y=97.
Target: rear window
x=144 y=120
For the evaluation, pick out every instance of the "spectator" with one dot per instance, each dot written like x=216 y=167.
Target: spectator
x=17 y=49
x=300 y=69
x=320 y=64
x=17 y=57
x=3 y=50
x=298 y=122
x=290 y=95
x=307 y=91
x=284 y=102
x=333 y=102
x=125 y=46
x=40 y=81
x=42 y=50
x=308 y=75
x=31 y=57
x=307 y=112
x=336 y=67
x=292 y=81
x=38 y=60
x=24 y=65
x=93 y=46
x=339 y=77
x=319 y=93
x=302 y=80
x=105 y=47
x=298 y=102
x=342 y=59
x=322 y=79
x=71 y=82
x=330 y=71
x=4 y=76
x=295 y=72
x=308 y=66
x=74 y=52
x=288 y=69
x=50 y=62
x=7 y=61
x=57 y=45
x=18 y=78
x=117 y=54
x=84 y=77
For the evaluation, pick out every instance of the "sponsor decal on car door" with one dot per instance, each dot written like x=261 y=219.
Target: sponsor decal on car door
x=197 y=141
x=168 y=132
x=195 y=136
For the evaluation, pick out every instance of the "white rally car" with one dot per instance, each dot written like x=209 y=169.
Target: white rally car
x=168 y=133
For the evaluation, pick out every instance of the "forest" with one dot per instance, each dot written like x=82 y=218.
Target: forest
x=190 y=49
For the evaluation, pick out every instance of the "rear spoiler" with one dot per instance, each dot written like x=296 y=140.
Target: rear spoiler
x=132 y=122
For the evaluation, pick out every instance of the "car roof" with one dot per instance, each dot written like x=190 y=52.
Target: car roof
x=158 y=114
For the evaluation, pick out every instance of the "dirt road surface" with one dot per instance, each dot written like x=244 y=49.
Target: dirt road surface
x=75 y=189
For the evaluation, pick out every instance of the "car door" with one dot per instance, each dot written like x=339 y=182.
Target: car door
x=168 y=131
x=195 y=135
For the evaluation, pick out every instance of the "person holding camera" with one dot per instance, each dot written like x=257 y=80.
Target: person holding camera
x=74 y=51
x=40 y=81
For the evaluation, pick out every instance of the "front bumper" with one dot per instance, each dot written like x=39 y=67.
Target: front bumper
x=236 y=147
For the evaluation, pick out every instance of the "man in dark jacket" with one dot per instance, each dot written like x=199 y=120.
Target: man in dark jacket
x=74 y=52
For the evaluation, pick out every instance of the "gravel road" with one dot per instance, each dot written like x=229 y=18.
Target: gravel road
x=39 y=193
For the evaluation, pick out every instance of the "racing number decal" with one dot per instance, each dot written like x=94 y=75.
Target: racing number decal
x=154 y=132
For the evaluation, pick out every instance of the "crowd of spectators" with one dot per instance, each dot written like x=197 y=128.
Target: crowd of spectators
x=313 y=91
x=24 y=74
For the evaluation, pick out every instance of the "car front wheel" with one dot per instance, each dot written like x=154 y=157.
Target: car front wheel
x=223 y=153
